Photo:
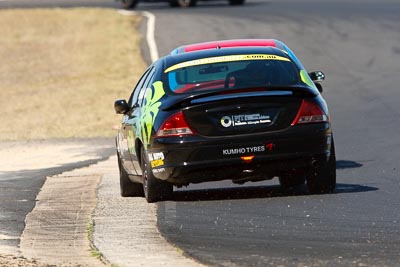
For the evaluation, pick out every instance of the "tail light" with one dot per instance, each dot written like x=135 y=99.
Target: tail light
x=309 y=112
x=247 y=159
x=175 y=125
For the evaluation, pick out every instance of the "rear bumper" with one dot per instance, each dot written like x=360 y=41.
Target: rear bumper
x=198 y=159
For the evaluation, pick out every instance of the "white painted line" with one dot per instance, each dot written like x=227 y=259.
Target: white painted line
x=151 y=28
x=125 y=12
x=151 y=42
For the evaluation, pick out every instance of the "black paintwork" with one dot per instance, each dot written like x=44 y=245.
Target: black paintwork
x=213 y=149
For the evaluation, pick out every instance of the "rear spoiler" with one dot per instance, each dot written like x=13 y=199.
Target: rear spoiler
x=276 y=91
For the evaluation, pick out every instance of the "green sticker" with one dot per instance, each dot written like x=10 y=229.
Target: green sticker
x=305 y=78
x=150 y=110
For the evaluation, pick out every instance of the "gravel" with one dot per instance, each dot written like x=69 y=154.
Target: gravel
x=14 y=261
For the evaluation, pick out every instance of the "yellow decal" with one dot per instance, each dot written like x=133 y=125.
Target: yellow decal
x=150 y=110
x=156 y=163
x=229 y=58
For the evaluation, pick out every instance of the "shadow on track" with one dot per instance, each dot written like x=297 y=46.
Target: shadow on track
x=347 y=164
x=159 y=6
x=250 y=192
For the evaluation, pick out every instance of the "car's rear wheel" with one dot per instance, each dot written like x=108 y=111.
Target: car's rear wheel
x=129 y=4
x=128 y=188
x=236 y=2
x=154 y=189
x=323 y=176
x=182 y=3
x=292 y=180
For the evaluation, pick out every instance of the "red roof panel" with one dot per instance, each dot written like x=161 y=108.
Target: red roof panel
x=230 y=43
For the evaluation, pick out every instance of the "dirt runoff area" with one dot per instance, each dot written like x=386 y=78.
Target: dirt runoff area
x=78 y=216
x=66 y=71
x=14 y=261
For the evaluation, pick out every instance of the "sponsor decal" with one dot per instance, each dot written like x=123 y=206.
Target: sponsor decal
x=156 y=159
x=247 y=150
x=156 y=156
x=156 y=163
x=270 y=146
x=243 y=150
x=159 y=170
x=245 y=119
x=210 y=60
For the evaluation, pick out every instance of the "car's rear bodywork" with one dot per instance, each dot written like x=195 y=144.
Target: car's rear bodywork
x=220 y=110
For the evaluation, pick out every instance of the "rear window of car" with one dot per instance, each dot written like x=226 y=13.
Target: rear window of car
x=231 y=72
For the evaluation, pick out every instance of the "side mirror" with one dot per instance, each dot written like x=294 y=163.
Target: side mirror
x=317 y=76
x=319 y=87
x=121 y=107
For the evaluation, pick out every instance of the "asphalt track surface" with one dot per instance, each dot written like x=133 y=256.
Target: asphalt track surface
x=357 y=45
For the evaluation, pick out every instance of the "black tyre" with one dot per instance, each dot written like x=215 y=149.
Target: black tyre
x=128 y=188
x=292 y=180
x=236 y=2
x=129 y=4
x=154 y=189
x=182 y=3
x=322 y=179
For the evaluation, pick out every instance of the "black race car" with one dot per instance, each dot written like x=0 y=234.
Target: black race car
x=243 y=110
x=130 y=4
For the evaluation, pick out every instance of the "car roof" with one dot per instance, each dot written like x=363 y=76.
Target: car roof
x=216 y=52
x=227 y=44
